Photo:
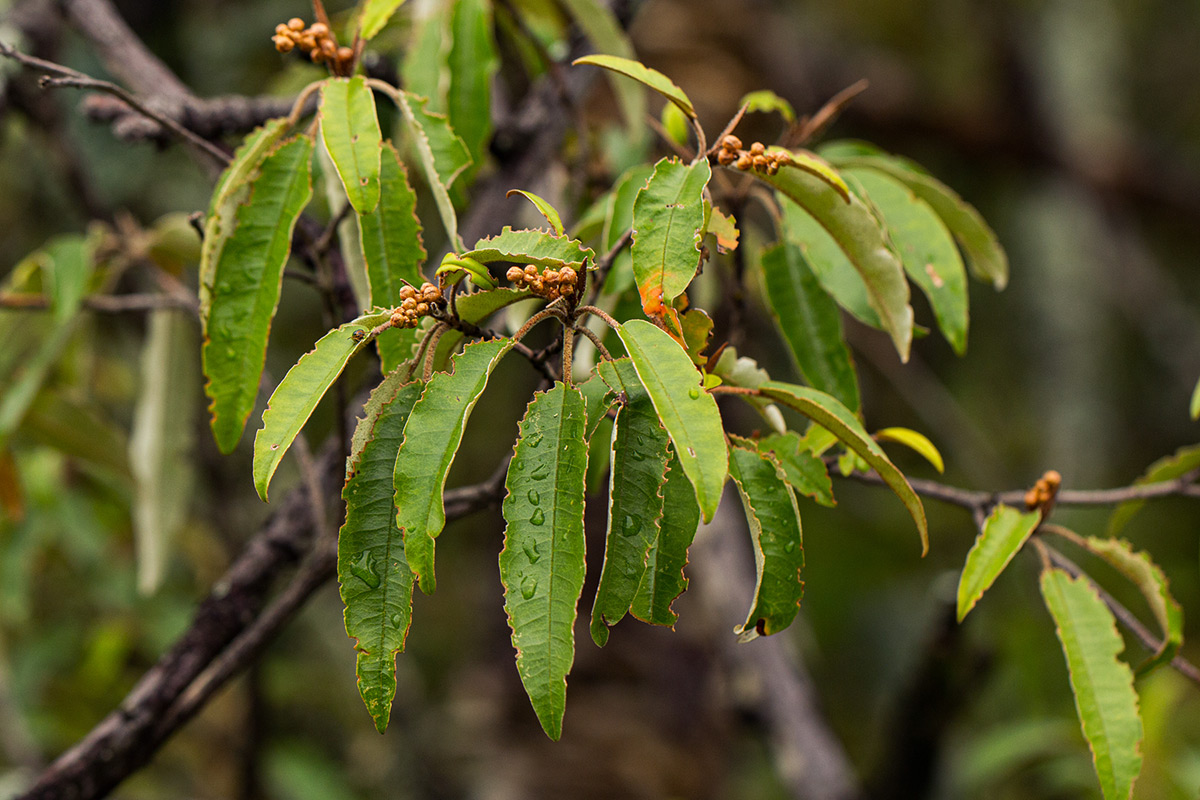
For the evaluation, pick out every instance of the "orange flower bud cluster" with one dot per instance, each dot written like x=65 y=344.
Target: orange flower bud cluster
x=414 y=304
x=316 y=40
x=756 y=158
x=1044 y=491
x=550 y=284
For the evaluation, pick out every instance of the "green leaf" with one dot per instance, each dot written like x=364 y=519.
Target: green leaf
x=814 y=165
x=605 y=33
x=542 y=563
x=472 y=63
x=374 y=15
x=68 y=265
x=766 y=101
x=350 y=130
x=1004 y=532
x=829 y=413
x=598 y=398
x=391 y=234
x=297 y=395
x=926 y=249
x=668 y=223
x=161 y=442
x=810 y=323
x=803 y=471
x=431 y=439
x=859 y=239
x=531 y=247
x=1194 y=406
x=1103 y=685
x=774 y=520
x=375 y=580
x=688 y=413
x=828 y=262
x=915 y=441
x=1183 y=461
x=744 y=372
x=644 y=75
x=1148 y=577
x=440 y=154
x=663 y=579
x=639 y=463
x=985 y=256
x=544 y=208
x=474 y=308
x=247 y=282
x=396 y=346
x=697 y=330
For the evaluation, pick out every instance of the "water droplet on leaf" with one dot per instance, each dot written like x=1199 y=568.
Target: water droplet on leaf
x=631 y=525
x=538 y=517
x=534 y=496
x=364 y=570
x=790 y=547
x=529 y=587
x=694 y=393
x=397 y=620
x=539 y=472
x=531 y=552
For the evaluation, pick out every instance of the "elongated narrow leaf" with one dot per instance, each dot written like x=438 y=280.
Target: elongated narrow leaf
x=246 y=288
x=350 y=130
x=861 y=240
x=598 y=398
x=645 y=75
x=829 y=263
x=605 y=33
x=542 y=563
x=668 y=224
x=1004 y=532
x=373 y=573
x=663 y=579
x=926 y=249
x=431 y=439
x=817 y=167
x=774 y=520
x=916 y=441
x=531 y=247
x=391 y=234
x=159 y=447
x=639 y=463
x=985 y=256
x=1150 y=580
x=544 y=208
x=1103 y=685
x=441 y=155
x=375 y=14
x=69 y=268
x=830 y=414
x=810 y=323
x=688 y=413
x=473 y=64
x=1176 y=465
x=297 y=395
x=803 y=471
x=1194 y=405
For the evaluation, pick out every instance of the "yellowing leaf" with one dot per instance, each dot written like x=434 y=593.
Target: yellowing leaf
x=917 y=442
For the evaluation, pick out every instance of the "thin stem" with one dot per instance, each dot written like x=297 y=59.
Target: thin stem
x=568 y=352
x=552 y=310
x=596 y=340
x=434 y=337
x=599 y=312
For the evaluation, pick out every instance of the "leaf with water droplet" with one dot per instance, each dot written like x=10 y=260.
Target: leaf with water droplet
x=537 y=517
x=534 y=496
x=539 y=472
x=531 y=552
x=529 y=587
x=663 y=579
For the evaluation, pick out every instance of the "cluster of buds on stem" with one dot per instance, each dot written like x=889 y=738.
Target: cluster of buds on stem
x=316 y=40
x=550 y=284
x=414 y=304
x=757 y=158
x=1043 y=492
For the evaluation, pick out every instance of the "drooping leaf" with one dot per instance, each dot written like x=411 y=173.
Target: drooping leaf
x=605 y=33
x=639 y=462
x=619 y=217
x=644 y=75
x=159 y=447
x=472 y=63
x=861 y=241
x=531 y=247
x=425 y=69
x=440 y=154
x=78 y=429
x=297 y=395
x=914 y=440
x=1103 y=685
x=1150 y=580
x=349 y=237
x=674 y=124
x=1004 y=532
x=926 y=249
x=985 y=256
x=397 y=345
x=829 y=263
x=766 y=101
x=391 y=235
x=803 y=471
x=375 y=580
x=542 y=563
x=688 y=413
x=810 y=323
x=544 y=208
x=350 y=130
x=668 y=224
x=774 y=520
x=829 y=413
x=1180 y=463
x=247 y=283
x=431 y=440
x=663 y=579
x=374 y=15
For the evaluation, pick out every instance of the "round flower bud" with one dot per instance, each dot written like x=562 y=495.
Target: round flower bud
x=726 y=157
x=345 y=54
x=568 y=275
x=283 y=44
x=319 y=29
x=731 y=142
x=281 y=29
x=760 y=162
x=296 y=24
x=406 y=292
x=744 y=161
x=515 y=274
x=757 y=149
x=531 y=271
x=422 y=308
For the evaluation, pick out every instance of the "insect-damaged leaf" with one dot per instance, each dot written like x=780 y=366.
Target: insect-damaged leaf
x=668 y=223
x=639 y=461
x=774 y=520
x=1103 y=685
x=1004 y=532
x=830 y=414
x=544 y=208
x=246 y=286
x=431 y=438
x=542 y=563
x=375 y=579
x=810 y=322
x=296 y=396
x=531 y=247
x=645 y=75
x=350 y=130
x=688 y=413
x=391 y=234
x=663 y=579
